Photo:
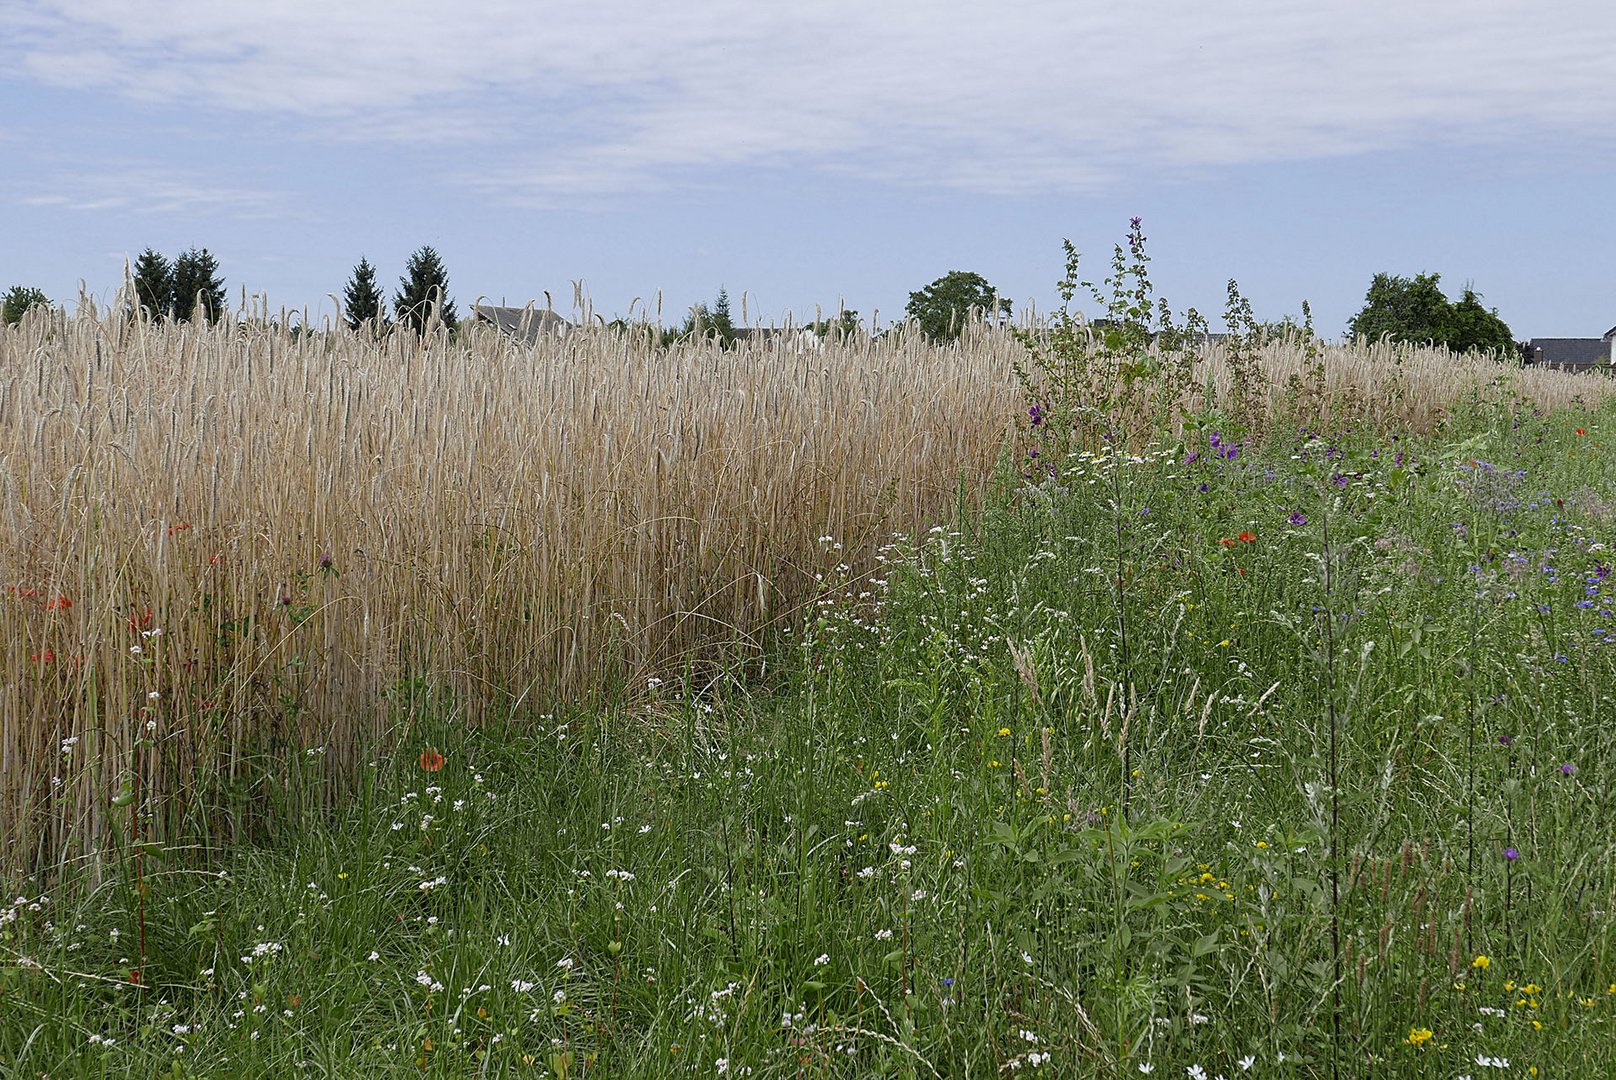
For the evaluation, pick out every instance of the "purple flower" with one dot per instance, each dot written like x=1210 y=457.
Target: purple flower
x=1297 y=518
x=1511 y=854
x=1568 y=769
x=325 y=560
x=1036 y=413
x=1505 y=740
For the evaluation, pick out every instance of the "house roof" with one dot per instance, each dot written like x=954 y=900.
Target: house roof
x=526 y=323
x=1569 y=352
x=1611 y=333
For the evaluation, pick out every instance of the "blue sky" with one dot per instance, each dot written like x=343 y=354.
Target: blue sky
x=817 y=153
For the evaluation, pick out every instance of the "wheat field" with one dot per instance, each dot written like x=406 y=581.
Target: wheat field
x=228 y=548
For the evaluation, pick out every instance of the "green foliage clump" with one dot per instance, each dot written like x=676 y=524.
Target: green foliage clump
x=198 y=288
x=18 y=299
x=423 y=292
x=1416 y=311
x=941 y=309
x=713 y=322
x=153 y=282
x=189 y=287
x=363 y=300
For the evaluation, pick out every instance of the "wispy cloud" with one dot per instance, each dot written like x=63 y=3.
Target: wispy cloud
x=144 y=190
x=1020 y=97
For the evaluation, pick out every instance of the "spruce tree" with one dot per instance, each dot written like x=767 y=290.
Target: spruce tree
x=154 y=284
x=424 y=286
x=362 y=299
x=721 y=323
x=198 y=288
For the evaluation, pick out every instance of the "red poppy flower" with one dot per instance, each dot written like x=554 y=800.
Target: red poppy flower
x=43 y=657
x=1247 y=537
x=1227 y=541
x=1582 y=431
x=61 y=603
x=134 y=976
x=431 y=760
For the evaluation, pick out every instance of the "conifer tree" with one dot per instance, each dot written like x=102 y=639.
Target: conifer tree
x=18 y=299
x=198 y=288
x=362 y=299
x=423 y=289
x=720 y=321
x=153 y=280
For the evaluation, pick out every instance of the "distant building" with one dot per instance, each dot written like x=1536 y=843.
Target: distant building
x=527 y=323
x=1572 y=354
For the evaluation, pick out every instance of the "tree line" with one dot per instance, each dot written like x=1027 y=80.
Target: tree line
x=189 y=287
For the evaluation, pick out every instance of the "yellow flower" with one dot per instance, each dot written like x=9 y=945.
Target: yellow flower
x=1262 y=843
x=1004 y=731
x=1481 y=962
x=1418 y=1036
x=993 y=764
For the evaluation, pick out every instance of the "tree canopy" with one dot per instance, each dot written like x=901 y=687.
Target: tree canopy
x=941 y=308
x=423 y=290
x=153 y=280
x=714 y=322
x=1416 y=310
x=18 y=299
x=198 y=288
x=362 y=298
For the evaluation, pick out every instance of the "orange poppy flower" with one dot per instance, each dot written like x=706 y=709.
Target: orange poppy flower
x=1247 y=537
x=431 y=760
x=1227 y=541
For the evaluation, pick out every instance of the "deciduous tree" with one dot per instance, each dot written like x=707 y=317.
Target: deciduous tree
x=941 y=308
x=1415 y=310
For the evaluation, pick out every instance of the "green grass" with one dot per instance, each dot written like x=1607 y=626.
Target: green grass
x=987 y=807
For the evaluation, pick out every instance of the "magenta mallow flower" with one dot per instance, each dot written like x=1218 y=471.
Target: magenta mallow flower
x=1511 y=854
x=1568 y=769
x=1297 y=518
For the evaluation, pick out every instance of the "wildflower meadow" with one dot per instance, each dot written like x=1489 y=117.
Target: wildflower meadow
x=1209 y=712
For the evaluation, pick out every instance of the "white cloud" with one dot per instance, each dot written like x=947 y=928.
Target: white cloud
x=145 y=190
x=1028 y=96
